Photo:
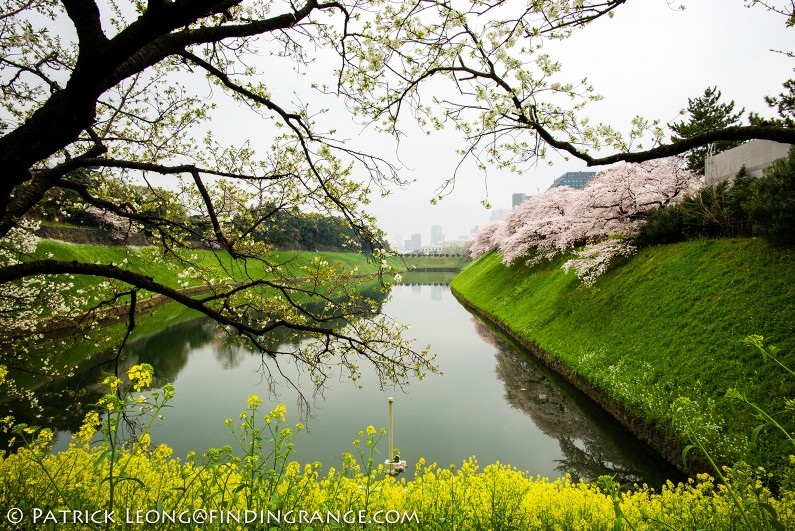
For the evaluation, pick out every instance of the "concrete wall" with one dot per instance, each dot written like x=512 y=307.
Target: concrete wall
x=755 y=155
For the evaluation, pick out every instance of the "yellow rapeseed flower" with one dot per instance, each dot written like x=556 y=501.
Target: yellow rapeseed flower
x=254 y=401
x=112 y=382
x=140 y=375
x=89 y=427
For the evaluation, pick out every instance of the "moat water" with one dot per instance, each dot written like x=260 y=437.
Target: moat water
x=492 y=400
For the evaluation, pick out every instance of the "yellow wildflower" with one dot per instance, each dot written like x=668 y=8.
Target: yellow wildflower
x=89 y=427
x=141 y=375
x=254 y=401
x=112 y=382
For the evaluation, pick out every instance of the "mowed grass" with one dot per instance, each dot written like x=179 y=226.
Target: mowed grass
x=148 y=261
x=668 y=322
x=433 y=262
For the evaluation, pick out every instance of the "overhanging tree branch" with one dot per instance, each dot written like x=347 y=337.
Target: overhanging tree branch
x=739 y=133
x=56 y=267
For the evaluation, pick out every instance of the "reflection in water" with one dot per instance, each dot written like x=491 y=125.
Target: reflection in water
x=65 y=402
x=436 y=292
x=532 y=389
x=488 y=387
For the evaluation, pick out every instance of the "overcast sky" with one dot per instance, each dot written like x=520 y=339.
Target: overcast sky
x=647 y=60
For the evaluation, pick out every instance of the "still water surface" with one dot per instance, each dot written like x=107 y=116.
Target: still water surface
x=492 y=400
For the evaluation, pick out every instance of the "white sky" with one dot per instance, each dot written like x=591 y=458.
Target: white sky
x=647 y=60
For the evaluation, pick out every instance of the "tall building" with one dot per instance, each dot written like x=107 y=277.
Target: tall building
x=575 y=179
x=414 y=244
x=517 y=199
x=436 y=234
x=499 y=213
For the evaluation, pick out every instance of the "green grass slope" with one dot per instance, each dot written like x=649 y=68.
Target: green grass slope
x=666 y=323
x=147 y=261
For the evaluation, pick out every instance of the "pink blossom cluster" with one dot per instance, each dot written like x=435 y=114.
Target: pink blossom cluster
x=597 y=223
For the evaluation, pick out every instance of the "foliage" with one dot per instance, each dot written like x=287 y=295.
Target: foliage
x=774 y=210
x=105 y=118
x=293 y=229
x=503 y=90
x=137 y=485
x=755 y=498
x=744 y=207
x=721 y=210
x=599 y=223
x=663 y=324
x=784 y=104
x=706 y=113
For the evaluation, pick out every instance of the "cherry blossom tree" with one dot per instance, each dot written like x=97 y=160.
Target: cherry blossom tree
x=595 y=224
x=483 y=241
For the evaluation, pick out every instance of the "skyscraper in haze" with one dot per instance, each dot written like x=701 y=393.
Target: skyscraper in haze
x=436 y=234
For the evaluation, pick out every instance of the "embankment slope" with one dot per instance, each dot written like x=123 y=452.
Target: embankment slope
x=668 y=322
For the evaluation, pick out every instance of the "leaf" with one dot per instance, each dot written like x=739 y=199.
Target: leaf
x=104 y=455
x=774 y=521
x=754 y=435
x=684 y=453
x=119 y=479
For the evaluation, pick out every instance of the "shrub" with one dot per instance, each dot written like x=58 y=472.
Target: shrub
x=773 y=211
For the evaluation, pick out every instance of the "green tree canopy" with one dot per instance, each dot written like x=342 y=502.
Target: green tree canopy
x=704 y=114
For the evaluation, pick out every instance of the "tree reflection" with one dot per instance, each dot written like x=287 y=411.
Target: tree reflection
x=589 y=449
x=65 y=402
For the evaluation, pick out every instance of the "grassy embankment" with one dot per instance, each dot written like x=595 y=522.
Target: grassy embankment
x=433 y=263
x=666 y=323
x=147 y=262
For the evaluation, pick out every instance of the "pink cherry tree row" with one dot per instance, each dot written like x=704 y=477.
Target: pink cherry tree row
x=593 y=225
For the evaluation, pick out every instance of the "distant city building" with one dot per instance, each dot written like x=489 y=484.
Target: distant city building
x=436 y=234
x=575 y=179
x=755 y=155
x=414 y=244
x=499 y=213
x=518 y=199
x=474 y=230
x=434 y=248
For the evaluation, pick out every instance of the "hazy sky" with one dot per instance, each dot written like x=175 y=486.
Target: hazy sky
x=647 y=60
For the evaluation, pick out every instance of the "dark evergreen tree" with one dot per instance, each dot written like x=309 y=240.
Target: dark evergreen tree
x=706 y=113
x=784 y=104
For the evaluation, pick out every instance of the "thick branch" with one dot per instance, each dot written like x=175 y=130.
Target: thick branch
x=784 y=135
x=54 y=267
x=85 y=16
